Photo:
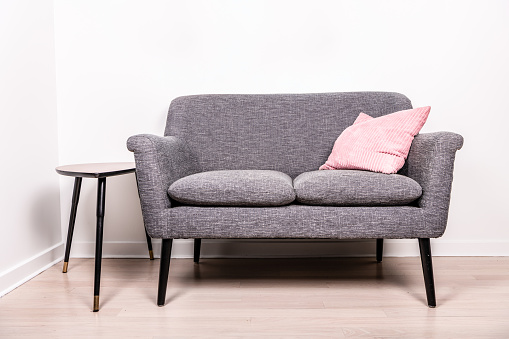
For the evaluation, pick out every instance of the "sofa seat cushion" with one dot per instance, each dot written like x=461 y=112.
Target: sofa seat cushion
x=355 y=188
x=234 y=188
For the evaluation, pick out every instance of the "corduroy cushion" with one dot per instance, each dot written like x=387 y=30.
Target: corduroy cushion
x=377 y=144
x=234 y=188
x=355 y=188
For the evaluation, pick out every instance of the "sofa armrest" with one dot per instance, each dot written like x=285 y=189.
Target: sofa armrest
x=430 y=162
x=159 y=162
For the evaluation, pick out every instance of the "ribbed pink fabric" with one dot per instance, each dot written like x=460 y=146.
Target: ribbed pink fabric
x=377 y=144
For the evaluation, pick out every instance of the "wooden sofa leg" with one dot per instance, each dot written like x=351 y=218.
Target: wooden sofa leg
x=379 y=249
x=197 y=247
x=427 y=269
x=163 y=271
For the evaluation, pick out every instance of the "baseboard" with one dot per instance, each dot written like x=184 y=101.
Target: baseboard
x=225 y=248
x=26 y=270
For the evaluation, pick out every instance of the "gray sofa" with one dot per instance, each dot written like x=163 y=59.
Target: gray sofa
x=246 y=166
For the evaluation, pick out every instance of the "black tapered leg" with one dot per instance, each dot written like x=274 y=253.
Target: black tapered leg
x=427 y=269
x=197 y=248
x=163 y=271
x=379 y=249
x=72 y=220
x=149 y=244
x=101 y=195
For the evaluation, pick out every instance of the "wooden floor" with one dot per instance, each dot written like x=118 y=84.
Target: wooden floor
x=264 y=298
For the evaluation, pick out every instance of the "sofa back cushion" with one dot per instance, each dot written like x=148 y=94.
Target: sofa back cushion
x=290 y=133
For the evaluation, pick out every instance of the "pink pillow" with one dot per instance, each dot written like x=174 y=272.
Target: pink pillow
x=377 y=144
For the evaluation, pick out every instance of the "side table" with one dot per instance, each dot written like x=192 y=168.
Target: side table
x=100 y=171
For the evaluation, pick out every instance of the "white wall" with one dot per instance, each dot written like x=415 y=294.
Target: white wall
x=119 y=63
x=30 y=237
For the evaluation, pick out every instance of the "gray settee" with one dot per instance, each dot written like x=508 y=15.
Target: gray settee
x=245 y=166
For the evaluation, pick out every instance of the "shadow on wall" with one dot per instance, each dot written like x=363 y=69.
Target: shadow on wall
x=122 y=213
x=123 y=209
x=44 y=216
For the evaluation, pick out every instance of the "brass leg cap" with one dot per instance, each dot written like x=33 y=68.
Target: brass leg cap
x=151 y=254
x=64 y=270
x=96 y=303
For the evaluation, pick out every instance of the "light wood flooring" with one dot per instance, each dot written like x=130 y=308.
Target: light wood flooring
x=264 y=298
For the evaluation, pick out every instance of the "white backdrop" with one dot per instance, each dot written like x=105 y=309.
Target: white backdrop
x=120 y=63
x=30 y=236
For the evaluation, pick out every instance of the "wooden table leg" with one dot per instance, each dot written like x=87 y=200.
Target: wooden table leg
x=101 y=194
x=149 y=244
x=72 y=220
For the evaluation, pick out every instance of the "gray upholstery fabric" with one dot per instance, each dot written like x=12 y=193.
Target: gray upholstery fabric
x=355 y=188
x=159 y=162
x=289 y=133
x=292 y=134
x=294 y=221
x=430 y=162
x=234 y=188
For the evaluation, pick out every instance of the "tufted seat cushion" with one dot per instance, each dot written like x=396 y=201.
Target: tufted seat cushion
x=234 y=188
x=355 y=188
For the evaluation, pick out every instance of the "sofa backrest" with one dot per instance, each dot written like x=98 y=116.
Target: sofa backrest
x=291 y=133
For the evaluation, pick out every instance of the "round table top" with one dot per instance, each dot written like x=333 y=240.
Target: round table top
x=99 y=170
